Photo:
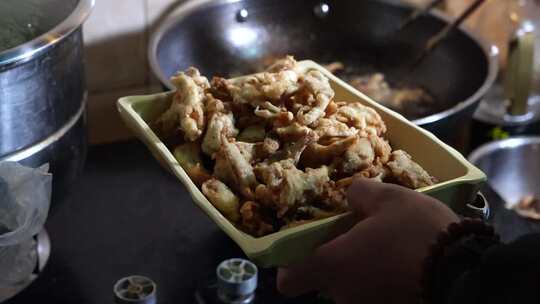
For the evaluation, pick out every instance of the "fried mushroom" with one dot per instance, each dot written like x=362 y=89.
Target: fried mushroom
x=252 y=134
x=283 y=150
x=286 y=187
x=240 y=169
x=407 y=172
x=222 y=198
x=317 y=154
x=187 y=107
x=188 y=156
x=315 y=94
x=220 y=125
x=252 y=219
x=363 y=118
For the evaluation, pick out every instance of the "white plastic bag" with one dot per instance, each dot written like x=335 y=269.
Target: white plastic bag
x=25 y=195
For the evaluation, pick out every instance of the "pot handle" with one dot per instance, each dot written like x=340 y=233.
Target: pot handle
x=519 y=71
x=479 y=208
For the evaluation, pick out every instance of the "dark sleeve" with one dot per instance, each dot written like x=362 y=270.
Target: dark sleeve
x=506 y=273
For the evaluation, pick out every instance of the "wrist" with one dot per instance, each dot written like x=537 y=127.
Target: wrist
x=456 y=253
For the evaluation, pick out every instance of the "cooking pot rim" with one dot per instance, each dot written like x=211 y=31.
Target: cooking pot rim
x=509 y=143
x=32 y=48
x=177 y=15
x=490 y=51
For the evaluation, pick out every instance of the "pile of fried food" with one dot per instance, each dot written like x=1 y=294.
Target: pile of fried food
x=411 y=101
x=275 y=149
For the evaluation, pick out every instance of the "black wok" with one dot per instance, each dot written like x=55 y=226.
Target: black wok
x=215 y=37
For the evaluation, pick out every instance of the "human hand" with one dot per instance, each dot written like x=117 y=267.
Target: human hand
x=379 y=260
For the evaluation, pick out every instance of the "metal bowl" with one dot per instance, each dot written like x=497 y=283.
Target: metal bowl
x=512 y=166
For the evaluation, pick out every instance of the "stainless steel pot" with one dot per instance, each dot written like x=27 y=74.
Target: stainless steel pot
x=512 y=166
x=42 y=87
x=513 y=170
x=227 y=37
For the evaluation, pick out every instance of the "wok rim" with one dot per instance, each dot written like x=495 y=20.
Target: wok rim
x=490 y=52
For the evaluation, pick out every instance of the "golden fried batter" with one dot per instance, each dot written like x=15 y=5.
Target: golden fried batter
x=220 y=124
x=252 y=134
x=188 y=156
x=328 y=128
x=293 y=131
x=407 y=172
x=315 y=94
x=222 y=198
x=358 y=157
x=252 y=220
x=240 y=169
x=382 y=149
x=334 y=195
x=293 y=150
x=363 y=118
x=285 y=186
x=317 y=154
x=256 y=152
x=187 y=107
x=269 y=111
x=317 y=213
x=259 y=88
x=287 y=63
x=280 y=150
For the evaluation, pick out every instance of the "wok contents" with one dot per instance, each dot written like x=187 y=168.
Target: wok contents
x=276 y=149
x=529 y=207
x=412 y=102
x=19 y=22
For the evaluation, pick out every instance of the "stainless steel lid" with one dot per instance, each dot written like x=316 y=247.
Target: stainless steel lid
x=28 y=27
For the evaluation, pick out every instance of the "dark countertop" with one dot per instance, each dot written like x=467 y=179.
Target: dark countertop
x=507 y=223
x=126 y=215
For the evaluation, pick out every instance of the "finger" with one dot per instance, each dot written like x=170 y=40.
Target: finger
x=322 y=270
x=367 y=198
x=311 y=274
x=291 y=284
x=299 y=279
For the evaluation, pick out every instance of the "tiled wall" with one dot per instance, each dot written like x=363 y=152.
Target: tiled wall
x=116 y=37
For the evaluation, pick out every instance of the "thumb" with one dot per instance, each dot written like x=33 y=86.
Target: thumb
x=366 y=198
